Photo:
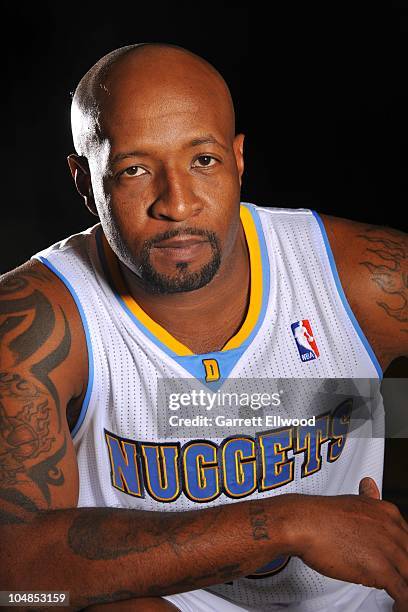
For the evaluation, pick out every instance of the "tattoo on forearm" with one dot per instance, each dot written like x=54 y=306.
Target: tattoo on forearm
x=17 y=500
x=258 y=518
x=389 y=269
x=100 y=535
x=91 y=534
x=187 y=527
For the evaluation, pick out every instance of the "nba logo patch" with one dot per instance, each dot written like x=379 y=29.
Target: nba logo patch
x=305 y=341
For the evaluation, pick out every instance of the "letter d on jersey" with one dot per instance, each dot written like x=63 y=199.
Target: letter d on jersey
x=212 y=370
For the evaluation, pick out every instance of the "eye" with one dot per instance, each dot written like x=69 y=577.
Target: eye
x=134 y=171
x=205 y=161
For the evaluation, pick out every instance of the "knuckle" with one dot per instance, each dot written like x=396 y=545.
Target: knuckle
x=392 y=509
x=401 y=586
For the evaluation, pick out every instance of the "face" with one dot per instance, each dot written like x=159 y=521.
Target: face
x=166 y=179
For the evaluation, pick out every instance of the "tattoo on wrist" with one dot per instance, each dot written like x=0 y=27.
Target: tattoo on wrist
x=258 y=520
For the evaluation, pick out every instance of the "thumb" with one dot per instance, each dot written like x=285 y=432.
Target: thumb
x=369 y=488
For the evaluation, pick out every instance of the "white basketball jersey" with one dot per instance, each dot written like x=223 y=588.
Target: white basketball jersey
x=300 y=337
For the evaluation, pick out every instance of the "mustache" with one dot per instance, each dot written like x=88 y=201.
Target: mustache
x=187 y=231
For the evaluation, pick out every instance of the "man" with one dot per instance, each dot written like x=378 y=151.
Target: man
x=180 y=281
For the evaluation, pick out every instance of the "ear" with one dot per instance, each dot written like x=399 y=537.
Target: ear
x=80 y=173
x=238 y=146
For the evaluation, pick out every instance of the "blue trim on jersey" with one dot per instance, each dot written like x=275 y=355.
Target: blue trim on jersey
x=72 y=291
x=228 y=359
x=343 y=297
x=193 y=363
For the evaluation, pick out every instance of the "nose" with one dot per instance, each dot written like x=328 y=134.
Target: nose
x=176 y=200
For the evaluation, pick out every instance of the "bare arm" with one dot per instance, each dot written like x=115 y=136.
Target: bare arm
x=38 y=469
x=373 y=266
x=97 y=553
x=49 y=544
x=92 y=552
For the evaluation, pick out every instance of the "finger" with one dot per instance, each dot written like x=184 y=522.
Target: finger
x=398 y=557
x=400 y=605
x=395 y=513
x=404 y=524
x=397 y=588
x=368 y=488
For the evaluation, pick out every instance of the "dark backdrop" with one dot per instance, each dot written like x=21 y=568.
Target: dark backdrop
x=320 y=90
x=321 y=94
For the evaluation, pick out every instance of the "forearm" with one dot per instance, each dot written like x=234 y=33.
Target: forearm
x=92 y=552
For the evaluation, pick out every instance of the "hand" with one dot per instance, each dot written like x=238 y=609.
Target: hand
x=356 y=538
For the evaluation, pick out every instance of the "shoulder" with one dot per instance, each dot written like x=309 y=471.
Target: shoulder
x=372 y=262
x=37 y=309
x=339 y=229
x=42 y=370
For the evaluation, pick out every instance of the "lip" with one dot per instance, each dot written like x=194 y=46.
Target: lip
x=178 y=243
x=180 y=250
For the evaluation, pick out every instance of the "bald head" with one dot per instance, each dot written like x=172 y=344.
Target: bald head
x=137 y=78
x=156 y=125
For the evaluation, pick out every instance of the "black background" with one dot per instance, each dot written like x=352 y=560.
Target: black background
x=320 y=92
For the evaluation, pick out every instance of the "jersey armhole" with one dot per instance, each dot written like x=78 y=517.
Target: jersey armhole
x=343 y=297
x=85 y=404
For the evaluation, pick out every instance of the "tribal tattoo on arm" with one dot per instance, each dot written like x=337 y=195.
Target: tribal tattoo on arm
x=32 y=441
x=387 y=261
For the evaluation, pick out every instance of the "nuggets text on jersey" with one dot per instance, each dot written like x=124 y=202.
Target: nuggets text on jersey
x=297 y=314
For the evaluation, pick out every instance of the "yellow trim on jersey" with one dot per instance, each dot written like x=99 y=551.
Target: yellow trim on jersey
x=122 y=289
x=255 y=301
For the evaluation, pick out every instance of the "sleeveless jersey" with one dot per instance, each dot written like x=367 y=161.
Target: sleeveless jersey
x=299 y=333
